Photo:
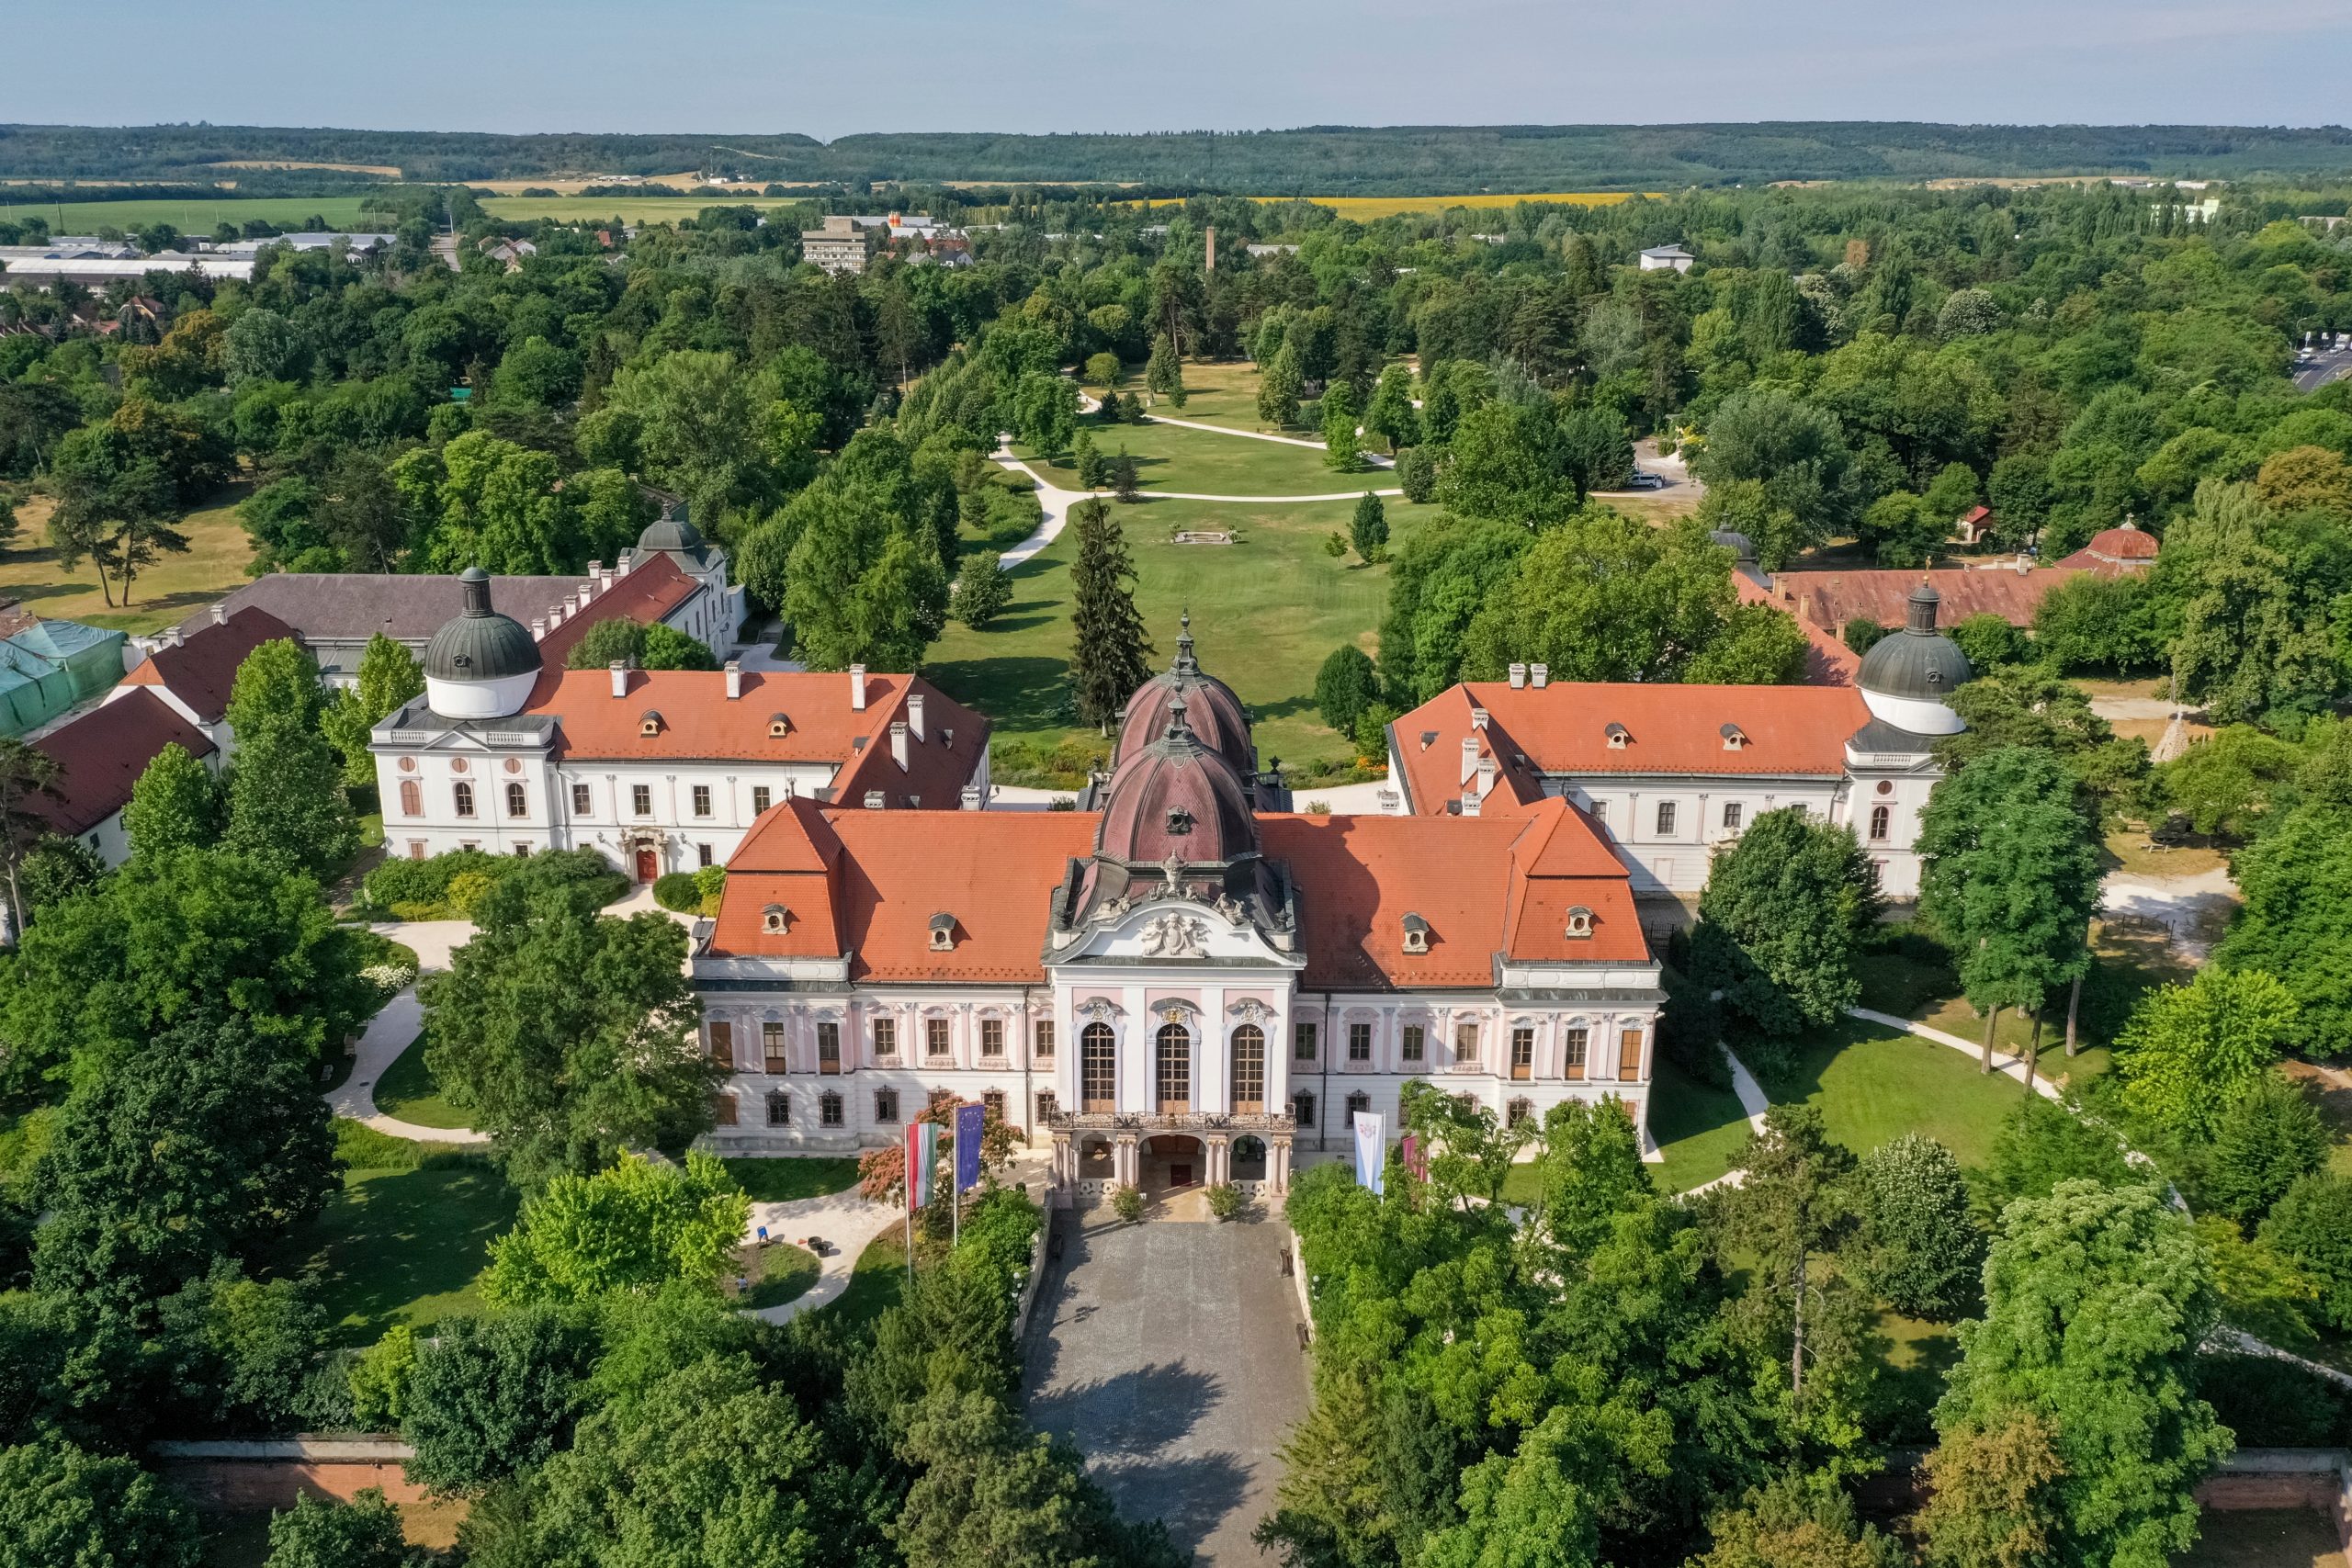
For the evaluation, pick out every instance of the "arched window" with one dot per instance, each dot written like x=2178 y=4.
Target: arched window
x=829 y=1109
x=462 y=794
x=779 y=1108
x=412 y=798
x=1357 y=1101
x=518 y=801
x=1098 y=1069
x=1248 y=1070
x=1248 y=1160
x=1172 y=1068
x=1881 y=817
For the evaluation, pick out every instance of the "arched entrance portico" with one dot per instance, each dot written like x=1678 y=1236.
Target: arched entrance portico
x=1172 y=1162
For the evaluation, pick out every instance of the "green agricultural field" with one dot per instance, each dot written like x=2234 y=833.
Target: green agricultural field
x=191 y=217
x=1266 y=612
x=164 y=594
x=628 y=208
x=1199 y=462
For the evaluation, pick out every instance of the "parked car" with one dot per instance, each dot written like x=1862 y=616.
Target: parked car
x=1644 y=480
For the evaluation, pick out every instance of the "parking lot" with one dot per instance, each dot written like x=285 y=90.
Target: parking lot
x=1168 y=1352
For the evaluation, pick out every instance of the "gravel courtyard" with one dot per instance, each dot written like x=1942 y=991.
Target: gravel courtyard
x=1169 y=1353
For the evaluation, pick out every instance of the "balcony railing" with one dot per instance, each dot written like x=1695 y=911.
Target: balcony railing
x=1176 y=1122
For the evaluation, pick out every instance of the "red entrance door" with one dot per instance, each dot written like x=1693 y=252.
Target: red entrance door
x=649 y=865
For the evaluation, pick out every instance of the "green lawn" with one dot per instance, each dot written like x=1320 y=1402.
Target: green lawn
x=164 y=594
x=1169 y=456
x=1224 y=392
x=778 y=1272
x=1267 y=611
x=785 y=1178
x=876 y=1283
x=408 y=1093
x=1699 y=1128
x=1873 y=1085
x=409 y=1235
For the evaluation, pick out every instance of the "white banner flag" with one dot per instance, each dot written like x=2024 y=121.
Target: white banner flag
x=1371 y=1149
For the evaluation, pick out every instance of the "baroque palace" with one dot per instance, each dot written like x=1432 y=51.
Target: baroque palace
x=1179 y=982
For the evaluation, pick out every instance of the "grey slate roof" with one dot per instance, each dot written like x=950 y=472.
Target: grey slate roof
x=354 y=607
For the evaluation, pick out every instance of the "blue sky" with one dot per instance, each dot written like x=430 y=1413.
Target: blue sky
x=1043 y=66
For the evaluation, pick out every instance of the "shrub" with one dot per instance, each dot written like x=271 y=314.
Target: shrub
x=1127 y=1203
x=1862 y=634
x=2041 y=1145
x=678 y=892
x=2270 y=1136
x=1224 y=1199
x=466 y=890
x=1344 y=687
x=1417 y=475
x=711 y=880
x=1921 y=1253
x=982 y=591
x=2311 y=1227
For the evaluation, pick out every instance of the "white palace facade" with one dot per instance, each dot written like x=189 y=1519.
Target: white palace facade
x=1180 y=984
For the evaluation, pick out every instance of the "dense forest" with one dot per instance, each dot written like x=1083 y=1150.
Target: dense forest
x=1314 y=160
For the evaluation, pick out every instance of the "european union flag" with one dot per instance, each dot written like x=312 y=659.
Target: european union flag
x=969 y=1122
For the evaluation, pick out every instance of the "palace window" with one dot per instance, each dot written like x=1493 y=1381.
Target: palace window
x=935 y=1037
x=1629 y=1056
x=462 y=795
x=779 y=1108
x=1411 y=1048
x=640 y=799
x=1465 y=1042
x=702 y=854
x=1665 y=818
x=722 y=1109
x=760 y=798
x=1172 y=1068
x=886 y=1105
x=1522 y=1054
x=702 y=800
x=1049 y=1105
x=829 y=1109
x=1302 y=1042
x=580 y=802
x=1521 y=1112
x=1098 y=1069
x=722 y=1044
x=416 y=849
x=1248 y=1070
x=828 y=1045
x=771 y=1053
x=1573 y=1043
x=886 y=1038
x=993 y=1038
x=412 y=798
x=1302 y=1108
x=992 y=1102
x=1041 y=1039
x=1357 y=1101
x=1732 y=814
x=518 y=801
x=1881 y=818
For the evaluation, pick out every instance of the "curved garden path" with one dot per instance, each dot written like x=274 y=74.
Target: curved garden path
x=391 y=1031
x=847 y=1223
x=1054 y=503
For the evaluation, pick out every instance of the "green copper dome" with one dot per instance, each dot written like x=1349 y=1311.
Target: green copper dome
x=673 y=534
x=480 y=644
x=1918 y=662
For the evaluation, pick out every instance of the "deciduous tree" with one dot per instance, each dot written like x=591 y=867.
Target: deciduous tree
x=1368 y=529
x=489 y=1396
x=1786 y=905
x=635 y=1227
x=388 y=676
x=2191 y=1050
x=61 y=1504
x=1917 y=1247
x=362 y=1533
x=2268 y=1138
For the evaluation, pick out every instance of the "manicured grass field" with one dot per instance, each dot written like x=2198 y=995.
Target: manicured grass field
x=408 y=1092
x=1266 y=612
x=1873 y=1085
x=1223 y=391
x=876 y=1283
x=778 y=1272
x=1201 y=462
x=1699 y=1128
x=164 y=594
x=782 y=1180
x=408 y=1237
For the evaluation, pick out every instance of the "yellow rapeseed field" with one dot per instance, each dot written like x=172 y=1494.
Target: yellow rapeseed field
x=1366 y=208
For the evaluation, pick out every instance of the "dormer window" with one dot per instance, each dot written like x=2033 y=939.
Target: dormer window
x=1734 y=738
x=778 y=726
x=942 y=934
x=774 y=920
x=1179 y=822
x=1580 y=921
x=1417 y=934
x=1619 y=737
x=649 y=722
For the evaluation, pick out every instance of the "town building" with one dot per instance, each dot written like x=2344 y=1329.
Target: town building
x=1177 y=985
x=99 y=756
x=845 y=242
x=2012 y=588
x=1661 y=258
x=673 y=577
x=1670 y=773
x=509 y=752
x=193 y=668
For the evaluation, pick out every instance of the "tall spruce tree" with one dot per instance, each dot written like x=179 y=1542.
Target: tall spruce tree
x=1109 y=652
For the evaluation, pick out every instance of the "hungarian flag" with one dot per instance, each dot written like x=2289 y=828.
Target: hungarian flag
x=922 y=1153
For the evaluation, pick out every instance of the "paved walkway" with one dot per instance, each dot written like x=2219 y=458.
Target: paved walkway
x=847 y=1223
x=2007 y=1066
x=1313 y=443
x=1171 y=1354
x=393 y=1028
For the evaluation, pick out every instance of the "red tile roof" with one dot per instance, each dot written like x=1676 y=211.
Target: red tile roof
x=1827 y=661
x=1830 y=599
x=699 y=721
x=203 y=668
x=2114 y=551
x=645 y=595
x=101 y=754
x=867 y=883
x=1564 y=729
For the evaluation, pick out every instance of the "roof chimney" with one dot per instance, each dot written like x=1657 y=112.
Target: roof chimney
x=1470 y=803
x=1539 y=676
x=1518 y=677
x=1469 y=757
x=539 y=629
x=1485 y=775
x=734 y=679
x=171 y=637
x=588 y=589
x=898 y=743
x=1477 y=717
x=874 y=800
x=620 y=678
x=914 y=712
x=219 y=614
x=971 y=797
x=857 y=688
